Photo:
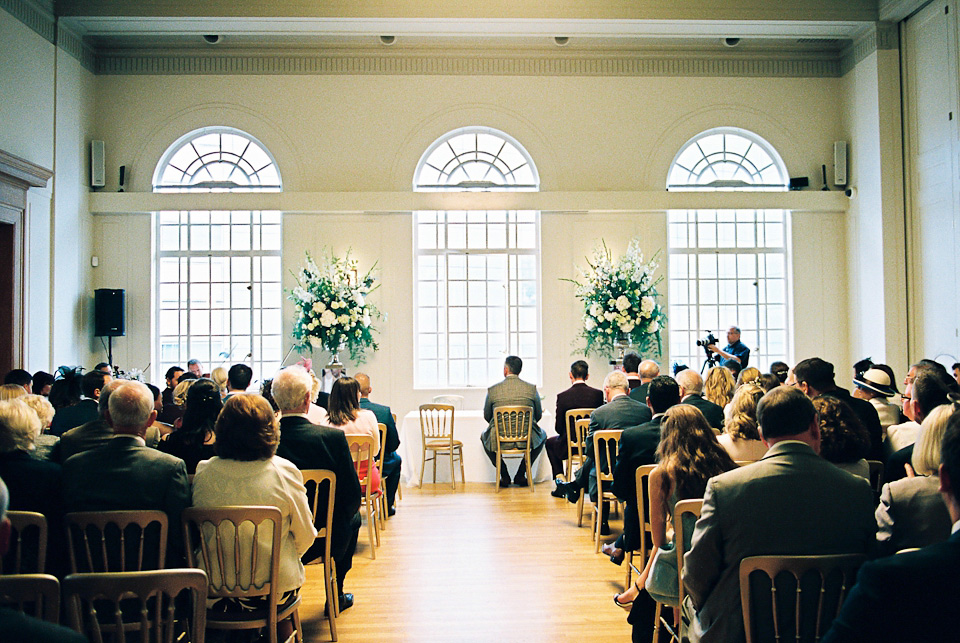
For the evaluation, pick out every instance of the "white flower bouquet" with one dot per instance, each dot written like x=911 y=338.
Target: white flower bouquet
x=333 y=312
x=620 y=302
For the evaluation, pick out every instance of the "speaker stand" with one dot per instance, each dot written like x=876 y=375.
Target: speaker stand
x=110 y=353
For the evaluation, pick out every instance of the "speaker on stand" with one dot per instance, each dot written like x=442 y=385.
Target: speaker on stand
x=110 y=318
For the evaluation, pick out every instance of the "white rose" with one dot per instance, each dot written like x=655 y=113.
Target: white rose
x=315 y=342
x=366 y=320
x=596 y=310
x=654 y=326
x=647 y=304
x=318 y=307
x=627 y=327
x=343 y=320
x=609 y=315
x=589 y=324
x=359 y=299
x=335 y=305
x=328 y=318
x=623 y=303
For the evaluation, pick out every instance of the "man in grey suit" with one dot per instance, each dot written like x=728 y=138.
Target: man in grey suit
x=512 y=391
x=691 y=392
x=792 y=502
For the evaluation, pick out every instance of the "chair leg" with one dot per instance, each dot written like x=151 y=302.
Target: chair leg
x=530 y=475
x=580 y=510
x=656 y=622
x=628 y=559
x=399 y=491
x=423 y=466
x=598 y=516
x=497 y=466
x=453 y=479
x=463 y=478
x=370 y=534
x=333 y=598
x=297 y=630
x=436 y=454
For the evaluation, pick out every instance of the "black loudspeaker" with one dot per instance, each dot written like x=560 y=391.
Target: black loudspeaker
x=109 y=312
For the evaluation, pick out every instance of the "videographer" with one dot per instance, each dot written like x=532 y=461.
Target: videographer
x=736 y=354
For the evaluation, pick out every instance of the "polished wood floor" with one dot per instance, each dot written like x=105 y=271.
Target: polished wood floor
x=474 y=565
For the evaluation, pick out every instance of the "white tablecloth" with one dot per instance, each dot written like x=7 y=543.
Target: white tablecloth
x=467 y=428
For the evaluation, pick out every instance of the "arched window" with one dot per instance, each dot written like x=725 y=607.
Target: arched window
x=728 y=267
x=218 y=272
x=477 y=272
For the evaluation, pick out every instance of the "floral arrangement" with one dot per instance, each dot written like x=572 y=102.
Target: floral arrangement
x=620 y=301
x=332 y=308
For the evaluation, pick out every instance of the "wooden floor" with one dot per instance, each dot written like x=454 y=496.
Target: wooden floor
x=474 y=565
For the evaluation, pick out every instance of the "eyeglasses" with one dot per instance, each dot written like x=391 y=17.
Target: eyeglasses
x=904 y=396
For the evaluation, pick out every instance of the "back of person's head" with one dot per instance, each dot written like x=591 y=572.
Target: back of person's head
x=784 y=411
x=41 y=406
x=749 y=374
x=514 y=364
x=931 y=388
x=769 y=381
x=950 y=453
x=364 y=381
x=202 y=408
x=91 y=382
x=172 y=372
x=41 y=380
x=290 y=388
x=19 y=377
x=344 y=403
x=239 y=377
x=266 y=392
x=690 y=380
x=631 y=362
x=11 y=391
x=843 y=437
x=66 y=389
x=154 y=391
x=19 y=426
x=580 y=370
x=247 y=429
x=742 y=423
x=663 y=393
x=180 y=392
x=781 y=370
x=219 y=377
x=648 y=369
x=718 y=386
x=130 y=406
x=816 y=373
x=689 y=452
x=926 y=450
x=616 y=381
x=103 y=404
x=187 y=376
x=934 y=364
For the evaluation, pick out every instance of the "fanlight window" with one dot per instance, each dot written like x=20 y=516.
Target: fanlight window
x=217 y=159
x=725 y=159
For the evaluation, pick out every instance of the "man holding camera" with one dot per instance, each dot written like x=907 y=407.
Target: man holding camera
x=736 y=354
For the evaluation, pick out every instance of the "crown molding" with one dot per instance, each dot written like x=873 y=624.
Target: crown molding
x=31 y=14
x=880 y=36
x=74 y=45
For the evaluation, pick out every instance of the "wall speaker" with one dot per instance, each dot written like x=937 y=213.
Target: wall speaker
x=109 y=312
x=97 y=168
x=840 y=163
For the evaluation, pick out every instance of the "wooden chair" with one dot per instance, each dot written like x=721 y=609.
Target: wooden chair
x=436 y=430
x=97 y=604
x=643 y=518
x=576 y=438
x=794 y=597
x=314 y=480
x=876 y=476
x=28 y=544
x=362 y=448
x=400 y=486
x=229 y=543
x=514 y=426
x=582 y=425
x=382 y=428
x=606 y=447
x=36 y=595
x=116 y=541
x=683 y=532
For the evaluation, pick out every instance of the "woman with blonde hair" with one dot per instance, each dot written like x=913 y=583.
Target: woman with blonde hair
x=219 y=377
x=741 y=434
x=747 y=375
x=718 y=386
x=11 y=392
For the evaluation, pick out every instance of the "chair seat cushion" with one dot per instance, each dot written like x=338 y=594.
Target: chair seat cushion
x=438 y=445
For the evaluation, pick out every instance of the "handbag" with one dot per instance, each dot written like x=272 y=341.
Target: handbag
x=663 y=581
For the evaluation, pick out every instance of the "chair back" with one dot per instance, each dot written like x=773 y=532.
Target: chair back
x=36 y=595
x=382 y=428
x=643 y=511
x=320 y=501
x=513 y=424
x=455 y=401
x=794 y=598
x=28 y=544
x=876 y=475
x=116 y=541
x=137 y=606
x=436 y=422
x=572 y=417
x=238 y=547
x=685 y=515
x=362 y=448
x=606 y=447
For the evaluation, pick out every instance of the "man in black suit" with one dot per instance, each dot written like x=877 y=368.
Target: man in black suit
x=389 y=460
x=86 y=409
x=647 y=370
x=815 y=377
x=124 y=473
x=170 y=412
x=691 y=389
x=911 y=596
x=580 y=395
x=91 y=434
x=310 y=446
x=631 y=366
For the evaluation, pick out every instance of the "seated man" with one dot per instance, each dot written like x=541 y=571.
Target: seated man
x=20 y=377
x=309 y=446
x=89 y=435
x=631 y=366
x=792 y=502
x=647 y=370
x=512 y=391
x=86 y=409
x=691 y=392
x=390 y=459
x=580 y=395
x=915 y=594
x=238 y=380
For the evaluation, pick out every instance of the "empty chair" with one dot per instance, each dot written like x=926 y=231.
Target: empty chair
x=321 y=483
x=116 y=541
x=362 y=448
x=513 y=424
x=28 y=544
x=436 y=431
x=36 y=595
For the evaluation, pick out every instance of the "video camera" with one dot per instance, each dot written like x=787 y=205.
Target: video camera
x=712 y=358
x=708 y=340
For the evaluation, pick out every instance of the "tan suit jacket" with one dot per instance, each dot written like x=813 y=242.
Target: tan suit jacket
x=512 y=391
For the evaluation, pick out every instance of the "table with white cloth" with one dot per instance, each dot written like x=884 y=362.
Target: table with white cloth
x=468 y=426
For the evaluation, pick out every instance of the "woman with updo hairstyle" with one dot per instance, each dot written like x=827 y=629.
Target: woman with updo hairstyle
x=718 y=386
x=246 y=471
x=219 y=377
x=345 y=414
x=844 y=440
x=748 y=375
x=194 y=440
x=741 y=433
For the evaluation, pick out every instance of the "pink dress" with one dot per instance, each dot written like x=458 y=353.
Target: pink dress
x=365 y=424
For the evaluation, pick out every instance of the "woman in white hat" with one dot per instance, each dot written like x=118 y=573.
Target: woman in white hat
x=875 y=386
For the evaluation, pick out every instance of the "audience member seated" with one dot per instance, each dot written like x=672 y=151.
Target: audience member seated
x=749 y=375
x=45 y=442
x=620 y=412
x=389 y=461
x=768 y=382
x=14 y=624
x=21 y=378
x=171 y=412
x=741 y=433
x=911 y=596
x=65 y=390
x=631 y=364
x=86 y=409
x=310 y=446
x=219 y=377
x=691 y=392
x=125 y=473
x=647 y=370
x=42 y=383
x=238 y=379
x=194 y=440
x=11 y=392
x=843 y=438
x=911 y=511
x=180 y=396
x=317 y=413
x=780 y=370
x=926 y=390
x=246 y=471
x=689 y=455
x=267 y=394
x=638 y=446
x=580 y=395
x=875 y=386
x=512 y=391
x=158 y=429
x=346 y=415
x=792 y=502
x=816 y=377
x=89 y=435
x=902 y=435
x=718 y=386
